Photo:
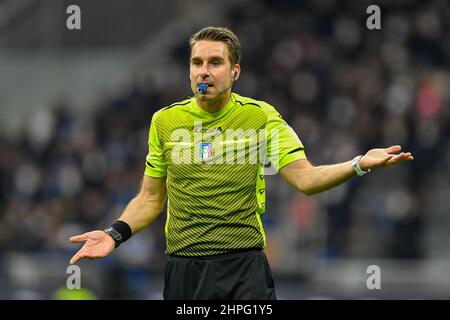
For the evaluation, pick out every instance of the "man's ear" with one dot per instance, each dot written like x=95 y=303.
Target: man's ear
x=236 y=72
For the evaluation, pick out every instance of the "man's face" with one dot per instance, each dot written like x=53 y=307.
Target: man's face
x=210 y=64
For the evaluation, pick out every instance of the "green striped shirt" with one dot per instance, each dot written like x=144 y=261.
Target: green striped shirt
x=214 y=163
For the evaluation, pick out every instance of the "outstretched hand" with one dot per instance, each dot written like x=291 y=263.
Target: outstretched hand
x=98 y=244
x=384 y=157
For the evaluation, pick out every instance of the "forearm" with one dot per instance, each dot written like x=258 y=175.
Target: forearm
x=321 y=178
x=141 y=212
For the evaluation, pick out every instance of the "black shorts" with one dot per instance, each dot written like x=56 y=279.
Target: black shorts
x=235 y=276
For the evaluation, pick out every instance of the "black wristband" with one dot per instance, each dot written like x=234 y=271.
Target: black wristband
x=120 y=231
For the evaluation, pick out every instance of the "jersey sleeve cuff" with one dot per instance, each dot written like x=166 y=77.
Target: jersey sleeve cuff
x=289 y=158
x=154 y=173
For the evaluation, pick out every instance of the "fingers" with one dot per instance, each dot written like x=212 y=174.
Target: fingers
x=74 y=259
x=393 y=149
x=395 y=158
x=400 y=157
x=77 y=239
x=92 y=247
x=80 y=238
x=79 y=255
x=84 y=252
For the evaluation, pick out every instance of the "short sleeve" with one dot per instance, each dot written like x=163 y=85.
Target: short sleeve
x=155 y=164
x=283 y=144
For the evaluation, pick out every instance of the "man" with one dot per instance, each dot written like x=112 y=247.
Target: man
x=201 y=156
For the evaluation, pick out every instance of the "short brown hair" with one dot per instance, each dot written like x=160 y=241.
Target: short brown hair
x=221 y=34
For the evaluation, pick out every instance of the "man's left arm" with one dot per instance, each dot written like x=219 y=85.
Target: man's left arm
x=311 y=179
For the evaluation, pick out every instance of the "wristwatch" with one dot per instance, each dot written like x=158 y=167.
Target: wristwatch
x=117 y=237
x=357 y=168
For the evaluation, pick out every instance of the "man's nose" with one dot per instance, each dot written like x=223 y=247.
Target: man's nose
x=204 y=70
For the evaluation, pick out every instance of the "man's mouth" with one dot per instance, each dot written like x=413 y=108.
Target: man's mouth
x=203 y=87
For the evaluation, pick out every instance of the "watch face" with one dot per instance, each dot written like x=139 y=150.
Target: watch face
x=116 y=235
x=356 y=167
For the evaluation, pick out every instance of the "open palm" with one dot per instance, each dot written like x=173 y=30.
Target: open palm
x=98 y=244
x=383 y=157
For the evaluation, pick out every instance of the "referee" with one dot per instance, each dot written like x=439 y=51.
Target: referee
x=205 y=159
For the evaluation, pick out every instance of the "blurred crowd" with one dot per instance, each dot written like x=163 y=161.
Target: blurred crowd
x=343 y=88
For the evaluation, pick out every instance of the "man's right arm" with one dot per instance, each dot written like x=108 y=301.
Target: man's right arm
x=140 y=212
x=147 y=205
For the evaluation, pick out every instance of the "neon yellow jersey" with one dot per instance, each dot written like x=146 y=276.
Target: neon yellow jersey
x=214 y=163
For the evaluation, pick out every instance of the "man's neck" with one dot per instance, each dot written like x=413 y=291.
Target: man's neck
x=216 y=104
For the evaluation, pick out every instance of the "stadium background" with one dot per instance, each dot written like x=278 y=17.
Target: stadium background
x=75 y=108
